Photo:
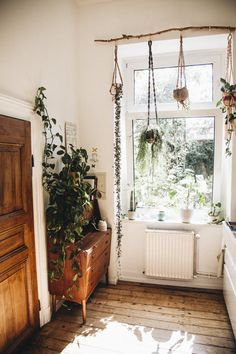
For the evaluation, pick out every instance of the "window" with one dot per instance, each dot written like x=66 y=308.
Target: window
x=191 y=152
x=188 y=152
x=199 y=79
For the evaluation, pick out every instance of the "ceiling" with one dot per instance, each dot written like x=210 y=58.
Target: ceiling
x=93 y=2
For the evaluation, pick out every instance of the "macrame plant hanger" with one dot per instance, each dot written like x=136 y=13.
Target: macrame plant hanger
x=180 y=94
x=150 y=136
x=150 y=139
x=229 y=97
x=117 y=81
x=116 y=90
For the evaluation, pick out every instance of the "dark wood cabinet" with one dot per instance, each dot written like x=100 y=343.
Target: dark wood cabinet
x=94 y=260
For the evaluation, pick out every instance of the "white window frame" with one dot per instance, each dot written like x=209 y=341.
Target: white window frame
x=205 y=109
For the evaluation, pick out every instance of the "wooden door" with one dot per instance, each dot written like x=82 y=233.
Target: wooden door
x=19 y=308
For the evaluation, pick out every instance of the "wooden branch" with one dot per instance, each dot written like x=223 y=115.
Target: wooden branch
x=138 y=36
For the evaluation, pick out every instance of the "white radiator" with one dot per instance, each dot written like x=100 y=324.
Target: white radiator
x=169 y=254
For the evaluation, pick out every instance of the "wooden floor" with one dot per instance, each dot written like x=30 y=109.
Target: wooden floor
x=140 y=319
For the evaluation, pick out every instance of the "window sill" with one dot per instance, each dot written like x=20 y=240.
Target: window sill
x=171 y=222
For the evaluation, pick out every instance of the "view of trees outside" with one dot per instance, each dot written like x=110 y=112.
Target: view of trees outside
x=198 y=77
x=183 y=173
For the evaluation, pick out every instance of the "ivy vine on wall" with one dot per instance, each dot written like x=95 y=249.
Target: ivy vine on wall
x=116 y=91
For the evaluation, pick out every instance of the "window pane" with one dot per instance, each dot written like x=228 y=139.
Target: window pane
x=185 y=164
x=198 y=78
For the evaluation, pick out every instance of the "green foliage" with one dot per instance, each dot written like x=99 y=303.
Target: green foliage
x=230 y=91
x=69 y=195
x=118 y=93
x=181 y=151
x=200 y=157
x=216 y=213
x=148 y=150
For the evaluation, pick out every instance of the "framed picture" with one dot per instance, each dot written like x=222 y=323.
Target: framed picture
x=92 y=180
x=70 y=135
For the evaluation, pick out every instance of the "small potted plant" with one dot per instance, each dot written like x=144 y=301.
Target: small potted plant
x=215 y=213
x=132 y=207
x=186 y=211
x=188 y=194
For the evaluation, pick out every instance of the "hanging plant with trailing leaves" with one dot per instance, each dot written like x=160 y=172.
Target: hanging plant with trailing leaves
x=69 y=197
x=180 y=94
x=150 y=140
x=116 y=91
x=227 y=103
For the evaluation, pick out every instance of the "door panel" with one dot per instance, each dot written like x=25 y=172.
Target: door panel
x=18 y=287
x=10 y=179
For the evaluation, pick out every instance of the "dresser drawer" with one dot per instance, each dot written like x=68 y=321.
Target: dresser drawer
x=98 y=248
x=96 y=271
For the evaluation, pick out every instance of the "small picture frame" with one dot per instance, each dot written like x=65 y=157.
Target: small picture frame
x=92 y=180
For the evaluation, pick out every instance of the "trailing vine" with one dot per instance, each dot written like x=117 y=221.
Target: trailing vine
x=69 y=197
x=116 y=91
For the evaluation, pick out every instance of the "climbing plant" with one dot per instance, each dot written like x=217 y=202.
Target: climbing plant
x=68 y=196
x=116 y=91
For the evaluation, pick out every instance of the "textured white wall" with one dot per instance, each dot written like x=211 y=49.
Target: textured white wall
x=38 y=47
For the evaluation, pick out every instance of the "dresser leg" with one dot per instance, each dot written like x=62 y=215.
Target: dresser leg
x=107 y=279
x=54 y=304
x=84 y=314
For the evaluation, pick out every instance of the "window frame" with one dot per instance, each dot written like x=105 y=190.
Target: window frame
x=204 y=109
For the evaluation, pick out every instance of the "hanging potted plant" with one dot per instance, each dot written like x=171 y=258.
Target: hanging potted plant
x=150 y=139
x=180 y=94
x=227 y=103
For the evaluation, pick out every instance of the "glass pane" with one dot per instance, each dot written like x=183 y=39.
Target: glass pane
x=198 y=78
x=184 y=166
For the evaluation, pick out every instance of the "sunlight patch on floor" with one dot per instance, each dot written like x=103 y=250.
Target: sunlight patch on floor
x=120 y=338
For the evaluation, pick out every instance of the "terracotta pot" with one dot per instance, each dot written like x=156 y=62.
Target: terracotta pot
x=229 y=99
x=180 y=94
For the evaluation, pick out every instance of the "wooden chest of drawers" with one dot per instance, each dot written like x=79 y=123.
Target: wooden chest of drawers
x=94 y=260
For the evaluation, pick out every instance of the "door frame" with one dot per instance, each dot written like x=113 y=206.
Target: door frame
x=20 y=109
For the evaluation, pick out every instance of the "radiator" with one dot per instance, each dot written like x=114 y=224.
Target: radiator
x=169 y=254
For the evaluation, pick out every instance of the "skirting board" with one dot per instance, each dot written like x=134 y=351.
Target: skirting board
x=203 y=282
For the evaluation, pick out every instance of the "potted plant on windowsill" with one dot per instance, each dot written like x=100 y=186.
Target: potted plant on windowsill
x=132 y=207
x=186 y=194
x=215 y=214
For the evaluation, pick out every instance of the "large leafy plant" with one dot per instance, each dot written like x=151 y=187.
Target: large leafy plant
x=69 y=195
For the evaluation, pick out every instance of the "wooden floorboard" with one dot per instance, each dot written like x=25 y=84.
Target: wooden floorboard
x=140 y=319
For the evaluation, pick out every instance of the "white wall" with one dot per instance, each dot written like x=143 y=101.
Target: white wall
x=38 y=47
x=111 y=19
x=208 y=246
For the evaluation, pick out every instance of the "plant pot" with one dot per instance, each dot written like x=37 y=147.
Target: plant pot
x=186 y=215
x=180 y=94
x=131 y=214
x=150 y=136
x=229 y=99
